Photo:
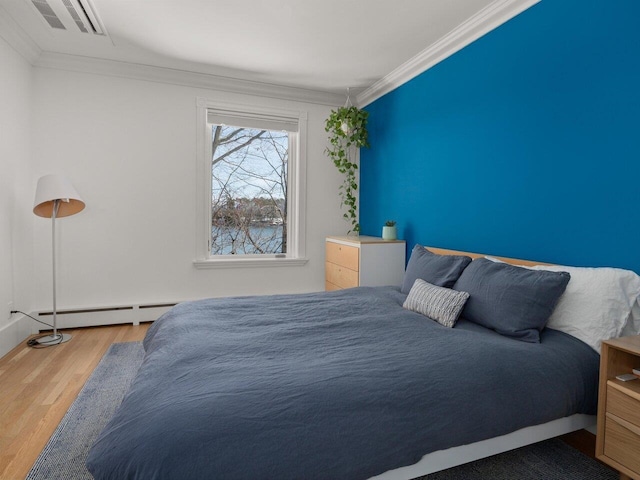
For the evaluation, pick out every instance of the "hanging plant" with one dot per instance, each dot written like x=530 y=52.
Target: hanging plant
x=347 y=127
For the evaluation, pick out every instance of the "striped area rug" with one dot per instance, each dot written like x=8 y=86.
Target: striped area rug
x=64 y=455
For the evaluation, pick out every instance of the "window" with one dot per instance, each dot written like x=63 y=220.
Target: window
x=251 y=164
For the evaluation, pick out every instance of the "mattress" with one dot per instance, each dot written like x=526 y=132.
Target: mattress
x=343 y=384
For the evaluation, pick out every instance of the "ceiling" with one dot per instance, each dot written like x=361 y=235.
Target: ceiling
x=322 y=45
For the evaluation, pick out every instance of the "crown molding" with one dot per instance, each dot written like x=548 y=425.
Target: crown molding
x=173 y=76
x=22 y=43
x=487 y=19
x=16 y=37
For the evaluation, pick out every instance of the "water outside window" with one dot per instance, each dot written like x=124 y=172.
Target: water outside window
x=248 y=191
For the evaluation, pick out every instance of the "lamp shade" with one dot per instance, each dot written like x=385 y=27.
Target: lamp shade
x=56 y=187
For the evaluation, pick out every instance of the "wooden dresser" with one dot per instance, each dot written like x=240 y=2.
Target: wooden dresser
x=618 y=439
x=363 y=261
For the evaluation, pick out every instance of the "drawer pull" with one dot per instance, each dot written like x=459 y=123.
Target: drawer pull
x=623 y=423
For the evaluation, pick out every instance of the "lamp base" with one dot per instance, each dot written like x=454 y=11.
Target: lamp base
x=54 y=339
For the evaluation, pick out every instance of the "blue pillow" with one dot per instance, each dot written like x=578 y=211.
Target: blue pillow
x=439 y=270
x=513 y=301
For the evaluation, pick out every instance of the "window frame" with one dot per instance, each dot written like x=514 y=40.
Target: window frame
x=296 y=198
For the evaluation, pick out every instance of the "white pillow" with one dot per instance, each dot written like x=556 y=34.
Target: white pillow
x=596 y=304
x=633 y=324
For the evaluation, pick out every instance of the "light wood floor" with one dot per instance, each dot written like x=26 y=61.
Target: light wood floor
x=37 y=386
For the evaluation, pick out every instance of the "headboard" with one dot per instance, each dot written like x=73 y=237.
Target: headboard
x=512 y=261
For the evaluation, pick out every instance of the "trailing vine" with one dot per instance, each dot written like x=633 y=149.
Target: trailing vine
x=347 y=128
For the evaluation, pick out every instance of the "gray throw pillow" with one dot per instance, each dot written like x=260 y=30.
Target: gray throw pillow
x=438 y=303
x=439 y=270
x=513 y=301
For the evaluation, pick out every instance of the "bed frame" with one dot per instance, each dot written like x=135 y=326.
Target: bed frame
x=452 y=457
x=443 y=459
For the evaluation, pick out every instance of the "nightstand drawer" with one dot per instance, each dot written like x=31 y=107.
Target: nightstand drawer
x=618 y=439
x=340 y=276
x=344 y=255
x=623 y=406
x=622 y=442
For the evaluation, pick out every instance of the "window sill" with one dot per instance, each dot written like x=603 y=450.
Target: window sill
x=238 y=262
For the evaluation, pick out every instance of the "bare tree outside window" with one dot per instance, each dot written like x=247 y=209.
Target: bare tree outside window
x=248 y=191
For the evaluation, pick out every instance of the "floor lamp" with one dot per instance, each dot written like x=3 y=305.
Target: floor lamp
x=55 y=197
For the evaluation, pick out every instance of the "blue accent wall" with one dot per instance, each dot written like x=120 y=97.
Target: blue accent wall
x=525 y=143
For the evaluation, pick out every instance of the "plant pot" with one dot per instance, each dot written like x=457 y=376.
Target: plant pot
x=389 y=233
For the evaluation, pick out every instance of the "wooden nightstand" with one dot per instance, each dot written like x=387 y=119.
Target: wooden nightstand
x=618 y=440
x=363 y=261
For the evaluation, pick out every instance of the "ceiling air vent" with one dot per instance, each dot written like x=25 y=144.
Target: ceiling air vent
x=80 y=12
x=74 y=14
x=49 y=15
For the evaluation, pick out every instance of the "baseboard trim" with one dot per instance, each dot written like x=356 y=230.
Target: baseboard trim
x=14 y=333
x=21 y=327
x=103 y=315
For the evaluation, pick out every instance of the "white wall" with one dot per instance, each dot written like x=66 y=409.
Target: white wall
x=129 y=147
x=16 y=220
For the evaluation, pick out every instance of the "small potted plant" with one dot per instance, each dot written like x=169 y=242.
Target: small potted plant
x=389 y=231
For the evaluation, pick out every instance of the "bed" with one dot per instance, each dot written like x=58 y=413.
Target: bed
x=347 y=384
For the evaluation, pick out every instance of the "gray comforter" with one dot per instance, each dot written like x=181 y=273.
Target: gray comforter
x=339 y=385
